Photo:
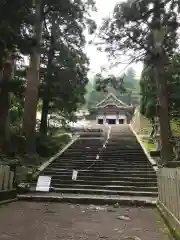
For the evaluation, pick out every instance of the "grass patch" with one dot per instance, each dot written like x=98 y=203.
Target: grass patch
x=149 y=146
x=175 y=127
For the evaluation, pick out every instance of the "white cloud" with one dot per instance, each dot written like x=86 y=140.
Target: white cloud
x=99 y=59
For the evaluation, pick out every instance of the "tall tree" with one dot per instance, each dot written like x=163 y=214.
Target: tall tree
x=148 y=35
x=71 y=15
x=31 y=95
x=13 y=16
x=148 y=90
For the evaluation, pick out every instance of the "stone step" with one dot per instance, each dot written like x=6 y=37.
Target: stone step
x=90 y=199
x=104 y=163
x=117 y=161
x=130 y=144
x=107 y=160
x=121 y=183
x=123 y=147
x=104 y=178
x=133 y=156
x=124 y=160
x=84 y=148
x=81 y=154
x=120 y=162
x=105 y=192
x=99 y=169
x=102 y=172
x=75 y=157
x=98 y=165
x=106 y=155
x=90 y=177
x=106 y=187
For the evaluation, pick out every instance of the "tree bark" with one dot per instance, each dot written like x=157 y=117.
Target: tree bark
x=48 y=81
x=5 y=77
x=44 y=116
x=163 y=113
x=32 y=89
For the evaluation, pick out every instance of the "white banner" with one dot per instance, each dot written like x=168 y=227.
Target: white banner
x=43 y=184
x=74 y=175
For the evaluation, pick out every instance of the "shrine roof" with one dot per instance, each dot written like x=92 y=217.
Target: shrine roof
x=111 y=99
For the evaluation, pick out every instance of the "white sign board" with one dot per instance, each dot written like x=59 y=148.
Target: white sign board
x=43 y=184
x=74 y=175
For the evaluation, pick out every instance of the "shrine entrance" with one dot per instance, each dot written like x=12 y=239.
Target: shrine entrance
x=100 y=121
x=111 y=121
x=121 y=121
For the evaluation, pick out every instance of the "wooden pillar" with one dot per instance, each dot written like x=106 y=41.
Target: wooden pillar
x=104 y=119
x=117 y=118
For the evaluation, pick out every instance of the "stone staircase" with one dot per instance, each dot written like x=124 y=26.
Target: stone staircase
x=81 y=156
x=121 y=170
x=129 y=171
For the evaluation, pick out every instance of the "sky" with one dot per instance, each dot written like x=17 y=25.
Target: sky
x=99 y=59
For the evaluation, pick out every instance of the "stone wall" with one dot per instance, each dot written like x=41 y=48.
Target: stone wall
x=140 y=124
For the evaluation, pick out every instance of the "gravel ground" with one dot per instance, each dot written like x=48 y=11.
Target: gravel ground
x=50 y=221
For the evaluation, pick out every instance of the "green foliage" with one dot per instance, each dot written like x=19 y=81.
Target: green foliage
x=148 y=90
x=63 y=77
x=131 y=29
x=48 y=145
x=92 y=110
x=125 y=87
x=16 y=111
x=13 y=17
x=66 y=65
x=102 y=83
x=148 y=93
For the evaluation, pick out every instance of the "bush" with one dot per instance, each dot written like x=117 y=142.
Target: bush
x=49 y=145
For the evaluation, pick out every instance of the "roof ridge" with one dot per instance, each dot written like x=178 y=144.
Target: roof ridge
x=112 y=95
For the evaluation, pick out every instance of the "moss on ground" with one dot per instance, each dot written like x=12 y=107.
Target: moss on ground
x=149 y=146
x=175 y=126
x=162 y=226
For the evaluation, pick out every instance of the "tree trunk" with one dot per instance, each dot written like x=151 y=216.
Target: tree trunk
x=32 y=89
x=48 y=81
x=44 y=116
x=163 y=113
x=5 y=77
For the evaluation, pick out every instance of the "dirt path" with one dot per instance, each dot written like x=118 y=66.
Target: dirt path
x=51 y=221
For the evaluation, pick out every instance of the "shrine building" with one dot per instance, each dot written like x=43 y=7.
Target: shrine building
x=111 y=110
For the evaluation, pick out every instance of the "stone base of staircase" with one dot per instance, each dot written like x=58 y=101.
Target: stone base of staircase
x=7 y=195
x=89 y=199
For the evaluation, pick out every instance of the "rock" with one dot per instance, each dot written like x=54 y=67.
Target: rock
x=116 y=205
x=137 y=229
x=111 y=210
x=126 y=218
x=101 y=209
x=97 y=208
x=91 y=206
x=49 y=211
x=132 y=238
x=115 y=229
